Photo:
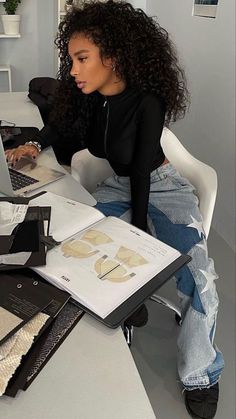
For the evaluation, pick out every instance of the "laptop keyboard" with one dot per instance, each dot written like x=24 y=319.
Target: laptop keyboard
x=19 y=180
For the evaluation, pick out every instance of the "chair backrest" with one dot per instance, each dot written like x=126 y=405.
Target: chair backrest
x=202 y=176
x=90 y=170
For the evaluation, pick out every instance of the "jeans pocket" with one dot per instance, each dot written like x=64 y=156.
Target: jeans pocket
x=181 y=182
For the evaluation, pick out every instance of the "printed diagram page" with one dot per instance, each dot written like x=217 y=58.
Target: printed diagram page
x=105 y=264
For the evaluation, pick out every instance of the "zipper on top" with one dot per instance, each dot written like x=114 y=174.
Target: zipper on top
x=106 y=104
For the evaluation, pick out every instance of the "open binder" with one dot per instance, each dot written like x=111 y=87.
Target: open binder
x=108 y=266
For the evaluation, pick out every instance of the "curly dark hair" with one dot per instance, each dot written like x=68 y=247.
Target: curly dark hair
x=143 y=53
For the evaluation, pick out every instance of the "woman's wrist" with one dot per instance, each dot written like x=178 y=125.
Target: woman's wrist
x=36 y=144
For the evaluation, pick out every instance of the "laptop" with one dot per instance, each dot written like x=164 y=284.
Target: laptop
x=27 y=176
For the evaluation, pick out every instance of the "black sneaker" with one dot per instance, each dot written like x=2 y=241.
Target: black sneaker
x=139 y=318
x=202 y=404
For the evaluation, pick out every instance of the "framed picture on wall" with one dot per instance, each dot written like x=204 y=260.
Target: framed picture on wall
x=205 y=8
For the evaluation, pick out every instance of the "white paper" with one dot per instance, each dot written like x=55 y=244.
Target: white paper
x=105 y=264
x=10 y=216
x=4 y=123
x=67 y=216
x=19 y=258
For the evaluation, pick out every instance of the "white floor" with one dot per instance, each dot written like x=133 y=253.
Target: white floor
x=154 y=346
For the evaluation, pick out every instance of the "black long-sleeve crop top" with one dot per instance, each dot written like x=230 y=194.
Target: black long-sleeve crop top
x=126 y=130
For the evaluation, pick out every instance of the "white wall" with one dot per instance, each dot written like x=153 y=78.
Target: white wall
x=206 y=48
x=32 y=55
x=141 y=4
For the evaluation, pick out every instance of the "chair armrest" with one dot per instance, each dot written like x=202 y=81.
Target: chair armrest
x=89 y=170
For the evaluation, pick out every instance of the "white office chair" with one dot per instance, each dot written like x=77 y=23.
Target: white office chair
x=90 y=170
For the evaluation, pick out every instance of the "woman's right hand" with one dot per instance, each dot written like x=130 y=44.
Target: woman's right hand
x=15 y=154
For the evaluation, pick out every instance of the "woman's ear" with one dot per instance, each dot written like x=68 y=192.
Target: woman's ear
x=109 y=62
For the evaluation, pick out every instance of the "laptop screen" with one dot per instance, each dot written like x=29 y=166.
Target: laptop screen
x=15 y=136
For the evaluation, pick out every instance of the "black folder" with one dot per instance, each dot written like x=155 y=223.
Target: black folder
x=28 y=236
x=62 y=319
x=44 y=348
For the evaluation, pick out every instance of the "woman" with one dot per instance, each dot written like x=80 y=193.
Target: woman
x=121 y=69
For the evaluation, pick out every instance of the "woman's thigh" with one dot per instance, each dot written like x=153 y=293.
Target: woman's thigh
x=113 y=197
x=172 y=205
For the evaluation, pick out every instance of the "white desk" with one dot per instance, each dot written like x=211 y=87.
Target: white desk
x=17 y=107
x=92 y=375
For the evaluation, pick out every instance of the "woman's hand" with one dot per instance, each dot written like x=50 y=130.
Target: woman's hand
x=15 y=154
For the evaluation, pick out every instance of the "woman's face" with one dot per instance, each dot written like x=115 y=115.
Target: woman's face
x=90 y=72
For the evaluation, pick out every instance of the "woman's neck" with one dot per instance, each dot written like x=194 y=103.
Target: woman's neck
x=114 y=88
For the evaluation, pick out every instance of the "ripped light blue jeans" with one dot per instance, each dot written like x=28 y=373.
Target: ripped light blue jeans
x=174 y=218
